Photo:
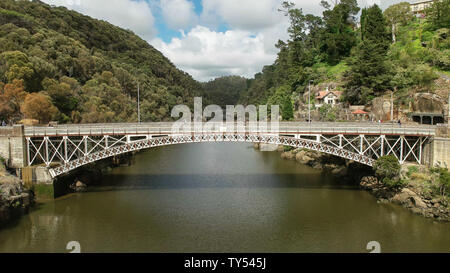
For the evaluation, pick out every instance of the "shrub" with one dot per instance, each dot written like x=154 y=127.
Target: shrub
x=420 y=177
x=411 y=170
x=393 y=183
x=443 y=180
x=387 y=169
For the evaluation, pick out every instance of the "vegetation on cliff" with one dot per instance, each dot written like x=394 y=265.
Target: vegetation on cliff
x=390 y=51
x=59 y=64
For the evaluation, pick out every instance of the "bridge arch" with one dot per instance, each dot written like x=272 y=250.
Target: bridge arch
x=131 y=146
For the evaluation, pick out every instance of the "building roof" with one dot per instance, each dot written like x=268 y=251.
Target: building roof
x=421 y=2
x=323 y=94
x=359 y=112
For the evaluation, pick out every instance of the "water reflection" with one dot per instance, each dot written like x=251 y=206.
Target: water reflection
x=221 y=198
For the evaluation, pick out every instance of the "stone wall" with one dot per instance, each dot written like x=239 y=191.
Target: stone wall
x=12 y=146
x=441 y=151
x=36 y=175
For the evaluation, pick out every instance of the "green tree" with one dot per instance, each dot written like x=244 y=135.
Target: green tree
x=328 y=112
x=282 y=98
x=443 y=179
x=387 y=169
x=439 y=14
x=339 y=36
x=396 y=15
x=369 y=73
x=15 y=65
x=63 y=97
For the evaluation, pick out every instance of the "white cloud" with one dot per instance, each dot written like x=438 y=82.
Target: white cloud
x=207 y=54
x=178 y=14
x=135 y=15
x=242 y=14
x=255 y=26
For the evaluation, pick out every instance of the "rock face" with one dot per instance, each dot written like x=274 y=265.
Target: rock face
x=408 y=198
x=14 y=199
x=381 y=108
x=317 y=160
x=428 y=103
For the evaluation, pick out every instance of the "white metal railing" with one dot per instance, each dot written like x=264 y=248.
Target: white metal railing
x=284 y=127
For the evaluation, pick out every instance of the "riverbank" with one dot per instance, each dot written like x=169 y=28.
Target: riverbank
x=15 y=199
x=420 y=192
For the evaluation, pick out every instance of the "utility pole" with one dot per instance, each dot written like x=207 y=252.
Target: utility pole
x=138 y=104
x=392 y=106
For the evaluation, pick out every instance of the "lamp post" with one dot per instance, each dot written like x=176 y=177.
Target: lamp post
x=392 y=106
x=309 y=102
x=138 y=105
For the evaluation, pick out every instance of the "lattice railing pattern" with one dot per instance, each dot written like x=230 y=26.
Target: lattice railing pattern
x=65 y=153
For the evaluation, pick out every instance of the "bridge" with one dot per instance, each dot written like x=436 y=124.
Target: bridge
x=63 y=148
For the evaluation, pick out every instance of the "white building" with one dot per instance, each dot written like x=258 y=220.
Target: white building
x=328 y=97
x=419 y=8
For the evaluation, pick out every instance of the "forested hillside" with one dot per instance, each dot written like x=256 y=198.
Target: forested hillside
x=364 y=56
x=224 y=91
x=56 y=64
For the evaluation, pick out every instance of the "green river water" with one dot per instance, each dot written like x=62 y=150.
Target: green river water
x=222 y=197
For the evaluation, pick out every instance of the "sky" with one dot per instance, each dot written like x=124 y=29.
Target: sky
x=205 y=38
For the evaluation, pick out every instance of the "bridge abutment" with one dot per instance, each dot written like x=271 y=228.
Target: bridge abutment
x=437 y=151
x=13 y=146
x=441 y=151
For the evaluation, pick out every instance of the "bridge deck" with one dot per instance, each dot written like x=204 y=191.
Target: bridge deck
x=161 y=128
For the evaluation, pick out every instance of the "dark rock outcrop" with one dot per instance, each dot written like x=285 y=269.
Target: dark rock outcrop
x=428 y=103
x=15 y=200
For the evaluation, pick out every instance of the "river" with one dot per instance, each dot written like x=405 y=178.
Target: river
x=221 y=197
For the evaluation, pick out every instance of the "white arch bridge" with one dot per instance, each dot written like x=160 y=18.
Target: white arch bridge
x=66 y=147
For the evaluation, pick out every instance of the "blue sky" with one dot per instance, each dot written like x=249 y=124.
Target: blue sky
x=206 y=38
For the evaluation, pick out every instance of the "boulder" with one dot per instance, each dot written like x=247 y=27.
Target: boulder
x=417 y=201
x=409 y=197
x=369 y=182
x=288 y=155
x=428 y=103
x=79 y=186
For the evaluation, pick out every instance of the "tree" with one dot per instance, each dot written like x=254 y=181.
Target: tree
x=304 y=32
x=327 y=112
x=16 y=65
x=11 y=98
x=369 y=71
x=398 y=14
x=443 y=179
x=387 y=169
x=339 y=37
x=439 y=14
x=39 y=106
x=282 y=98
x=63 y=97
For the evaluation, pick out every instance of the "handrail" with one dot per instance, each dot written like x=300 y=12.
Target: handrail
x=284 y=127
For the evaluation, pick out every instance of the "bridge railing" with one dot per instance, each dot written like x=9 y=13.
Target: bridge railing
x=284 y=128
